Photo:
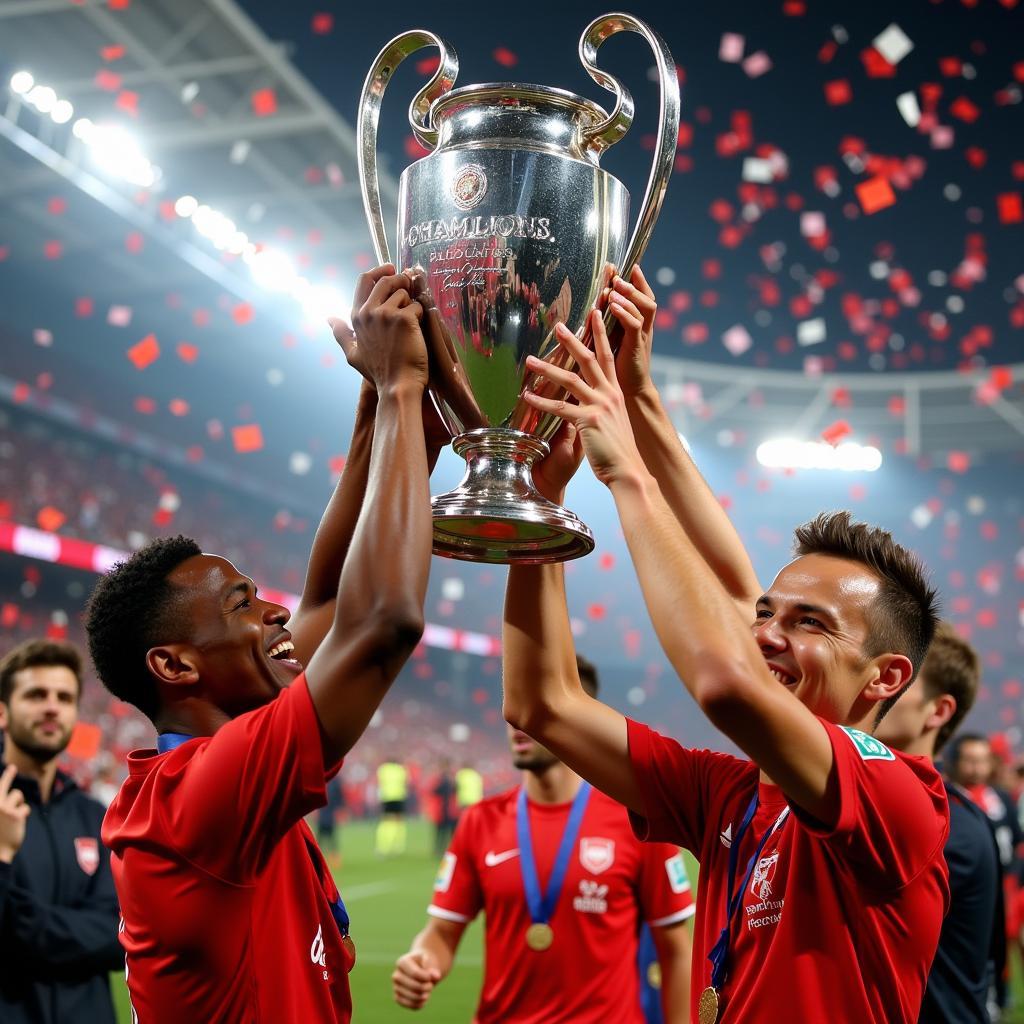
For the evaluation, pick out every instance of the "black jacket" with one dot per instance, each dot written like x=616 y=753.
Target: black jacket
x=58 y=919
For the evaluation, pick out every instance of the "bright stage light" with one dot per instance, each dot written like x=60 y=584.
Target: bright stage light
x=785 y=453
x=62 y=112
x=186 y=206
x=117 y=152
x=83 y=129
x=273 y=270
x=42 y=97
x=21 y=82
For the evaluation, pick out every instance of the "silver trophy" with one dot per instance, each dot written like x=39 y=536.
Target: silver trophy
x=509 y=227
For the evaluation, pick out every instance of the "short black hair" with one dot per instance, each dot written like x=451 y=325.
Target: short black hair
x=952 y=758
x=903 y=617
x=38 y=653
x=131 y=610
x=588 y=675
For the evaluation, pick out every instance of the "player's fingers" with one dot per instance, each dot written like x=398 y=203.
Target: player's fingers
x=563 y=410
x=412 y=968
x=589 y=368
x=398 y=299
x=572 y=382
x=6 y=779
x=639 y=280
x=619 y=301
x=366 y=282
x=343 y=334
x=625 y=317
x=383 y=289
x=602 y=347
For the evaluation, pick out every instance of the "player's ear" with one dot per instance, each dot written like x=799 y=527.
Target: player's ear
x=174 y=664
x=894 y=672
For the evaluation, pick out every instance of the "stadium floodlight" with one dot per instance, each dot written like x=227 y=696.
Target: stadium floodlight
x=186 y=206
x=273 y=270
x=42 y=97
x=83 y=129
x=117 y=152
x=786 y=453
x=62 y=112
x=21 y=82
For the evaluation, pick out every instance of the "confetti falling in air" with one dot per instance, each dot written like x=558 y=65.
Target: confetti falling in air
x=264 y=102
x=145 y=352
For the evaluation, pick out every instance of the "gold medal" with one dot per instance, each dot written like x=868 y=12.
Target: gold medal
x=539 y=937
x=654 y=975
x=707 y=1008
x=350 y=948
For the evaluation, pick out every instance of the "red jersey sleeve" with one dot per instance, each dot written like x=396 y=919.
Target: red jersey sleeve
x=676 y=784
x=457 y=892
x=665 y=894
x=893 y=814
x=228 y=803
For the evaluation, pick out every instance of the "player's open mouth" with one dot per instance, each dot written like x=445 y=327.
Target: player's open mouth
x=783 y=677
x=280 y=653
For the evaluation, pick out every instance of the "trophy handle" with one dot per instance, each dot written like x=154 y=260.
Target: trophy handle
x=609 y=131
x=419 y=118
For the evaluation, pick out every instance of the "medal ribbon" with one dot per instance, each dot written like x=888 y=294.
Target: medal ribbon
x=169 y=740
x=719 y=955
x=541 y=909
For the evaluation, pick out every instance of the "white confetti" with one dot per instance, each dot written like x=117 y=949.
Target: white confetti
x=893 y=44
x=909 y=108
x=811 y=332
x=730 y=49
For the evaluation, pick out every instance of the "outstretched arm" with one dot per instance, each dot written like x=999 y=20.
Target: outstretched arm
x=686 y=492
x=315 y=613
x=379 y=612
x=543 y=694
x=697 y=621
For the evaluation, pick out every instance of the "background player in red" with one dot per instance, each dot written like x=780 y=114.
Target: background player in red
x=822 y=885
x=578 y=963
x=229 y=912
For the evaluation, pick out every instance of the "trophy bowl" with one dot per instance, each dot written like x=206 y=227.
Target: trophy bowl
x=509 y=227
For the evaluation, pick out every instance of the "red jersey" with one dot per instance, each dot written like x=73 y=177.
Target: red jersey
x=225 y=897
x=613 y=883
x=838 y=924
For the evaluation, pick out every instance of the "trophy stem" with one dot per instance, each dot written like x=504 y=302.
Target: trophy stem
x=496 y=514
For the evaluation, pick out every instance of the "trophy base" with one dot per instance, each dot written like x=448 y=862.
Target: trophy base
x=496 y=514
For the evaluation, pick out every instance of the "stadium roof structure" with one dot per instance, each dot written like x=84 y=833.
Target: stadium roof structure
x=223 y=113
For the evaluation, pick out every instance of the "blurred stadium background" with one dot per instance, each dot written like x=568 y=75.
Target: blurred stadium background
x=840 y=261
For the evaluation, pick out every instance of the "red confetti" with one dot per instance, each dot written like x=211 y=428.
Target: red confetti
x=144 y=405
x=428 y=65
x=505 y=57
x=109 y=53
x=965 y=110
x=1001 y=377
x=958 y=462
x=1010 y=207
x=838 y=92
x=875 y=194
x=108 y=81
x=187 y=353
x=144 y=352
x=134 y=242
x=243 y=313
x=53 y=250
x=836 y=432
x=323 y=23
x=57 y=205
x=876 y=65
x=264 y=102
x=596 y=611
x=119 y=5
x=128 y=101
x=178 y=407
x=83 y=307
x=247 y=438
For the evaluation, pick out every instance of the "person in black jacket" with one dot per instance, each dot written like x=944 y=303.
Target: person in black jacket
x=972 y=944
x=58 y=910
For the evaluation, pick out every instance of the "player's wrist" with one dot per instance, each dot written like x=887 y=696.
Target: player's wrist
x=7 y=854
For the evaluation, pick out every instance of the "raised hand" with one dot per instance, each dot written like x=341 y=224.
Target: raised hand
x=552 y=474
x=634 y=306
x=385 y=342
x=600 y=417
x=414 y=978
x=14 y=813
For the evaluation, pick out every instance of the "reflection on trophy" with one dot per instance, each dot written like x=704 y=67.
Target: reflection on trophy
x=509 y=227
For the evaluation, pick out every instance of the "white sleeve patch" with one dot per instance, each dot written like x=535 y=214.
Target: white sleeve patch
x=867 y=746
x=676 y=871
x=445 y=872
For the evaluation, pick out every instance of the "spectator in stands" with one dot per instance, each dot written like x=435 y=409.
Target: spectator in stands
x=446 y=812
x=58 y=910
x=961 y=981
x=393 y=790
x=469 y=787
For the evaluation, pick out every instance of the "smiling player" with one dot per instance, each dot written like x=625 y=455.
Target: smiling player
x=823 y=885
x=229 y=912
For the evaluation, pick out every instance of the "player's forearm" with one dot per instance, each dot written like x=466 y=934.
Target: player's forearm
x=696 y=620
x=674 y=961
x=384 y=578
x=334 y=535
x=539 y=656
x=440 y=947
x=691 y=500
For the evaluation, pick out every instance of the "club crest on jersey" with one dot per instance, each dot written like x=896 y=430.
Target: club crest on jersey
x=87 y=853
x=445 y=872
x=596 y=854
x=867 y=746
x=764 y=873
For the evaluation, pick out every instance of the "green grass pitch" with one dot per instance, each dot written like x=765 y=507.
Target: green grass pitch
x=387 y=900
